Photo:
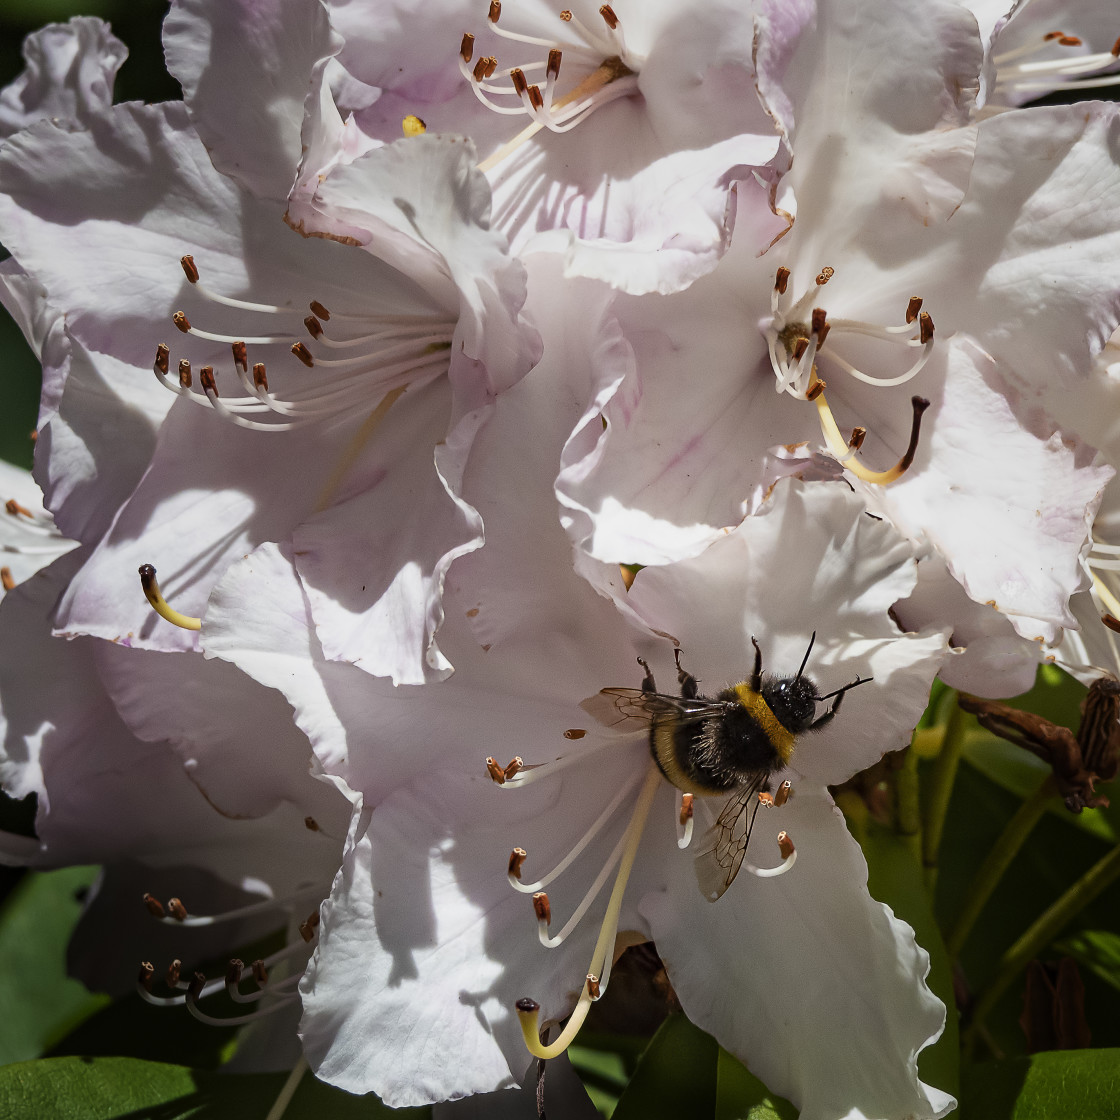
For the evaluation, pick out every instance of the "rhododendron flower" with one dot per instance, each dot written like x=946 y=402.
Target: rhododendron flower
x=288 y=445
x=611 y=134
x=924 y=293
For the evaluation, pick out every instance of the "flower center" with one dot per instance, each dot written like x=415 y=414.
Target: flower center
x=796 y=335
x=1019 y=71
x=378 y=354
x=596 y=56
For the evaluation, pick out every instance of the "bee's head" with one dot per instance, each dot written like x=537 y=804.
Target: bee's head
x=793 y=700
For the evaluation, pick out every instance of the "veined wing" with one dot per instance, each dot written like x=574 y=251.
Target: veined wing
x=724 y=845
x=615 y=707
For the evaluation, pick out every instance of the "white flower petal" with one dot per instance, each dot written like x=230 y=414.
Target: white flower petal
x=807 y=979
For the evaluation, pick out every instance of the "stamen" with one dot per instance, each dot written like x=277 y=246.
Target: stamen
x=516 y=859
x=240 y=355
x=163 y=358
x=7 y=580
x=159 y=604
x=625 y=790
x=542 y=908
x=466 y=48
x=144 y=979
x=184 y=374
x=685 y=821
x=789 y=857
x=180 y=915
x=309 y=925
x=785 y=790
x=528 y=1011
x=913 y=307
x=1112 y=622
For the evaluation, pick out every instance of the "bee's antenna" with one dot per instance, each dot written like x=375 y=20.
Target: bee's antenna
x=805 y=659
x=850 y=684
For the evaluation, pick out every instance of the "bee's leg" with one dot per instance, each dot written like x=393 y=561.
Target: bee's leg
x=647 y=681
x=756 y=673
x=818 y=723
x=689 y=688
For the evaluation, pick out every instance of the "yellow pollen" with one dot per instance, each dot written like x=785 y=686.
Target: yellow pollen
x=412 y=125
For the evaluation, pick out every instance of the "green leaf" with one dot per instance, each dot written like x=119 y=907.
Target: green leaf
x=110 y=1088
x=741 y=1096
x=40 y=1002
x=1079 y=1084
x=1096 y=949
x=894 y=876
x=676 y=1076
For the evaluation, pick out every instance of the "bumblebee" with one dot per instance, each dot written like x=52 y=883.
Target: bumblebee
x=730 y=745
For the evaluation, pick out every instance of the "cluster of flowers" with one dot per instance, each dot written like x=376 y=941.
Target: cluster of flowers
x=444 y=361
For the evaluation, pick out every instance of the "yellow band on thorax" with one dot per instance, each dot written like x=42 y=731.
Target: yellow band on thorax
x=781 y=737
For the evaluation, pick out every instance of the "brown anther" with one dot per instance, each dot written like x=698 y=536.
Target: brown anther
x=783 y=794
x=319 y=309
x=815 y=390
x=198 y=982
x=311 y=824
x=799 y=348
x=826 y=274
x=785 y=844
x=1069 y=41
x=206 y=380
x=925 y=327
x=526 y=1005
x=593 y=988
x=7 y=580
x=233 y=971
x=190 y=268
x=553 y=69
x=781 y=280
x=314 y=327
x=163 y=358
x=566 y=16
x=260 y=378
x=542 y=908
x=1053 y=35
x=241 y=356
x=1115 y=52
x=14 y=508
x=176 y=908
x=174 y=971
x=609 y=18
x=820 y=325
x=479 y=71
x=1112 y=622
x=181 y=321
x=491 y=66
x=184 y=373
x=495 y=11
x=858 y=436
x=495 y=771
x=913 y=307
x=303 y=354
x=516 y=859
x=466 y=50
x=309 y=925
x=686 y=808
x=766 y=800
x=260 y=973
x=517 y=77
x=574 y=733
x=144 y=977
x=515 y=765
x=155 y=907
x=535 y=98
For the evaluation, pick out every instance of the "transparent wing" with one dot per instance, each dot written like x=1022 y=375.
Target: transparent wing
x=724 y=845
x=614 y=707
